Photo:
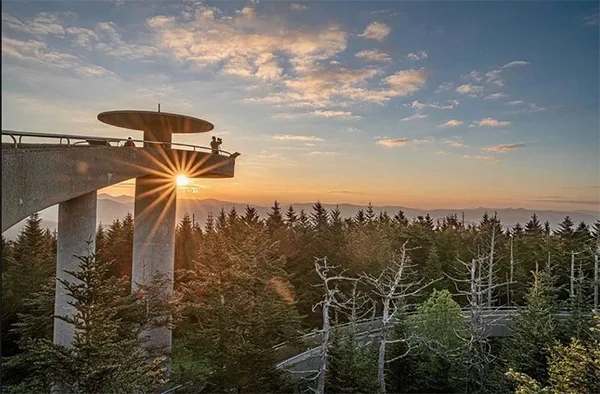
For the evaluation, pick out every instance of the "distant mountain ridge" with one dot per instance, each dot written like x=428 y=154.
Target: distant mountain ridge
x=111 y=208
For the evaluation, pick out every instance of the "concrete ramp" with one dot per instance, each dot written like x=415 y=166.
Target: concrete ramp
x=37 y=176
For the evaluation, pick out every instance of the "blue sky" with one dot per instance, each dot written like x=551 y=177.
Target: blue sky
x=424 y=104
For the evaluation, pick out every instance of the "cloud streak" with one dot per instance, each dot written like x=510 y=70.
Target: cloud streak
x=392 y=142
x=482 y=158
x=373 y=55
x=451 y=123
x=469 y=89
x=490 y=122
x=503 y=148
x=296 y=137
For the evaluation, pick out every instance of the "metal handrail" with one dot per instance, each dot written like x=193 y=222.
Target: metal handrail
x=69 y=137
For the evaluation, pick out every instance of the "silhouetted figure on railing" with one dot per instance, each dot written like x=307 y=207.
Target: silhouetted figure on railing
x=214 y=145
x=129 y=143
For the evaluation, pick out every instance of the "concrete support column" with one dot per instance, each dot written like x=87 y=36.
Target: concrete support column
x=154 y=240
x=76 y=237
x=157 y=135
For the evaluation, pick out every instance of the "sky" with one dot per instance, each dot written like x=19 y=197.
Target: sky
x=421 y=104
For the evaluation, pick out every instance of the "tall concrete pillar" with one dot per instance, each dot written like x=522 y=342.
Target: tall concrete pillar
x=76 y=237
x=154 y=240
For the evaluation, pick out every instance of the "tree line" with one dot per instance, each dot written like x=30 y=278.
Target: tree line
x=245 y=284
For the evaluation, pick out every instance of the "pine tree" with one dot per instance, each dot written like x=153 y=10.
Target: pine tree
x=400 y=219
x=290 y=217
x=31 y=264
x=186 y=247
x=433 y=268
x=370 y=214
x=573 y=369
x=239 y=304
x=221 y=222
x=274 y=220
x=209 y=225
x=350 y=369
x=106 y=353
x=534 y=330
x=251 y=218
x=319 y=218
x=439 y=326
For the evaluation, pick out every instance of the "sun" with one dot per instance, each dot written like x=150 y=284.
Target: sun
x=182 y=180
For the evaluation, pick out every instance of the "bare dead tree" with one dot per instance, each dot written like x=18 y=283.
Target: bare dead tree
x=392 y=287
x=357 y=306
x=330 y=300
x=476 y=348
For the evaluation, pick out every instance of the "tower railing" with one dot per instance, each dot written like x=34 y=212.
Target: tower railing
x=70 y=140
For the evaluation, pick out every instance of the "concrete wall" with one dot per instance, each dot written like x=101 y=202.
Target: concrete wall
x=36 y=177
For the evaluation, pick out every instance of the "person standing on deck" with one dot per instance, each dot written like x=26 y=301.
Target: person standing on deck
x=214 y=145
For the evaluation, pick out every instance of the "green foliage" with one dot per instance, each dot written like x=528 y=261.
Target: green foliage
x=106 y=354
x=436 y=329
x=26 y=267
x=534 y=330
x=238 y=304
x=439 y=322
x=351 y=368
x=573 y=369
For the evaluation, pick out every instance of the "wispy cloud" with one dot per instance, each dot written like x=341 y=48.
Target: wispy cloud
x=490 y=122
x=246 y=44
x=414 y=116
x=444 y=87
x=495 y=96
x=493 y=77
x=399 y=142
x=330 y=114
x=298 y=7
x=515 y=63
x=471 y=90
x=373 y=55
x=592 y=19
x=43 y=24
x=482 y=157
x=376 y=31
x=455 y=143
x=417 y=55
x=514 y=102
x=297 y=137
x=334 y=85
x=503 y=147
x=473 y=75
x=351 y=130
x=416 y=105
x=38 y=52
x=392 y=142
x=334 y=114
x=323 y=153
x=452 y=123
x=344 y=192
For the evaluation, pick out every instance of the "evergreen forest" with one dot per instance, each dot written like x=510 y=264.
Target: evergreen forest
x=248 y=288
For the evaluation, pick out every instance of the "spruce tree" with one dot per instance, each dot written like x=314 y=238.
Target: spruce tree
x=186 y=247
x=351 y=368
x=106 y=354
x=31 y=264
x=534 y=329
